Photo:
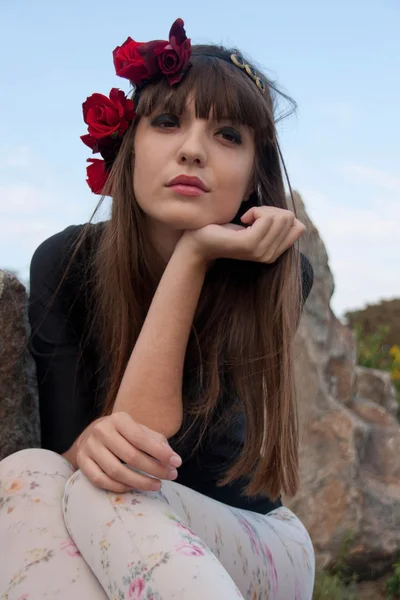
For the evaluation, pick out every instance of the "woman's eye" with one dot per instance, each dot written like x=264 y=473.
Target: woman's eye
x=165 y=121
x=231 y=135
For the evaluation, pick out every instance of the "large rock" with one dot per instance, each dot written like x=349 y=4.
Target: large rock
x=350 y=438
x=19 y=413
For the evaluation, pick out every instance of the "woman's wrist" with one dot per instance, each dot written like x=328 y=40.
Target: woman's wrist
x=191 y=251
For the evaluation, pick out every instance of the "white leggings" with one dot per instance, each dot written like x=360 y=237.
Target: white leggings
x=62 y=538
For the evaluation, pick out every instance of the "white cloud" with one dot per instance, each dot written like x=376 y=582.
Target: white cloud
x=23 y=200
x=27 y=232
x=362 y=244
x=33 y=206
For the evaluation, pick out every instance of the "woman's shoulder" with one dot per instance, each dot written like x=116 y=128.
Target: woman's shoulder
x=52 y=257
x=64 y=241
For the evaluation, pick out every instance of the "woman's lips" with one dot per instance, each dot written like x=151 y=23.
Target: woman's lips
x=186 y=190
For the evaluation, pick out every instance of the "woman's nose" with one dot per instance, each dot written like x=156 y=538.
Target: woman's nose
x=192 y=150
x=190 y=158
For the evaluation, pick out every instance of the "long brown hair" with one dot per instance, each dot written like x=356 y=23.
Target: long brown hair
x=239 y=355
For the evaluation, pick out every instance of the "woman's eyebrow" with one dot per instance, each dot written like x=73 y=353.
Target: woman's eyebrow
x=229 y=119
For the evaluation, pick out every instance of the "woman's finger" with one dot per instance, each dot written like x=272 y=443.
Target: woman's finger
x=148 y=441
x=255 y=212
x=269 y=225
x=99 y=478
x=134 y=457
x=294 y=234
x=119 y=472
x=271 y=247
x=259 y=219
x=266 y=236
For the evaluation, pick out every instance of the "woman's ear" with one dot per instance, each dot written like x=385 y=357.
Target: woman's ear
x=251 y=186
x=250 y=190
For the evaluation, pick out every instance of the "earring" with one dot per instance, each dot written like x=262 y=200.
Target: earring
x=259 y=193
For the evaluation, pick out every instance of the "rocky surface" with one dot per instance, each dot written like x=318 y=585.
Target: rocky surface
x=374 y=385
x=350 y=439
x=19 y=414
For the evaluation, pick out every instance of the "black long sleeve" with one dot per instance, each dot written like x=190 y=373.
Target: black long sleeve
x=65 y=383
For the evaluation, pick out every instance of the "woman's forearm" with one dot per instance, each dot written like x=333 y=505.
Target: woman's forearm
x=151 y=388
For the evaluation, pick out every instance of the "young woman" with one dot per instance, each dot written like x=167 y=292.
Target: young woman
x=162 y=339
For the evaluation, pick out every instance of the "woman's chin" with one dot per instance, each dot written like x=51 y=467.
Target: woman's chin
x=183 y=220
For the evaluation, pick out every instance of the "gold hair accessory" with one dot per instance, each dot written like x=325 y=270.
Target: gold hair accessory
x=239 y=61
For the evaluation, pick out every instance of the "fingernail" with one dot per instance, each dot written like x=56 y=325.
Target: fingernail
x=175 y=461
x=172 y=473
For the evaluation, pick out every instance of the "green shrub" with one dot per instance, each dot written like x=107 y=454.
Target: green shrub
x=327 y=586
x=372 y=352
x=371 y=349
x=393 y=584
x=338 y=584
x=331 y=587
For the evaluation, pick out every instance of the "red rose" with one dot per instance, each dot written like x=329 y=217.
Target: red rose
x=173 y=62
x=106 y=116
x=149 y=53
x=128 y=62
x=96 y=175
x=108 y=147
x=183 y=50
x=169 y=58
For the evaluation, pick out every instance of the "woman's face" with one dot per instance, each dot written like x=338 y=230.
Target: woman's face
x=220 y=154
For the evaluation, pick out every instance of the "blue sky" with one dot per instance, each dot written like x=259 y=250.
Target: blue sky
x=340 y=61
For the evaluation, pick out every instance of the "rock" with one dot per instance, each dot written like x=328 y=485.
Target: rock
x=371 y=412
x=350 y=438
x=372 y=590
x=376 y=386
x=19 y=412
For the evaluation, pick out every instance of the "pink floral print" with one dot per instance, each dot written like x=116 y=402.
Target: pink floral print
x=69 y=547
x=136 y=588
x=189 y=549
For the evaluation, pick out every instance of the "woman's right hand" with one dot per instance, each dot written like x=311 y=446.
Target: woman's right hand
x=269 y=233
x=117 y=437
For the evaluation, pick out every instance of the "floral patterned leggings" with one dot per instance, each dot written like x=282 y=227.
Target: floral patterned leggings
x=62 y=538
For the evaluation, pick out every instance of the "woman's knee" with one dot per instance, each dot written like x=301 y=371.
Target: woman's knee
x=87 y=506
x=32 y=483
x=78 y=490
x=35 y=459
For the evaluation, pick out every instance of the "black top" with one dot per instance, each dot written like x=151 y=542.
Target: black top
x=68 y=377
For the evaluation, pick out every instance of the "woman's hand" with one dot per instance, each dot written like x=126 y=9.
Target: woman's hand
x=115 y=438
x=270 y=232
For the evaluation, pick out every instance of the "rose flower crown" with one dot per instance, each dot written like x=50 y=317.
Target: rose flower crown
x=108 y=118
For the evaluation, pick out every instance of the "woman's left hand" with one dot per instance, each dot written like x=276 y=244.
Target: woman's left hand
x=270 y=232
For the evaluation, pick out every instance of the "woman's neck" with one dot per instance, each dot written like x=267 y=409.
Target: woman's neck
x=163 y=238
